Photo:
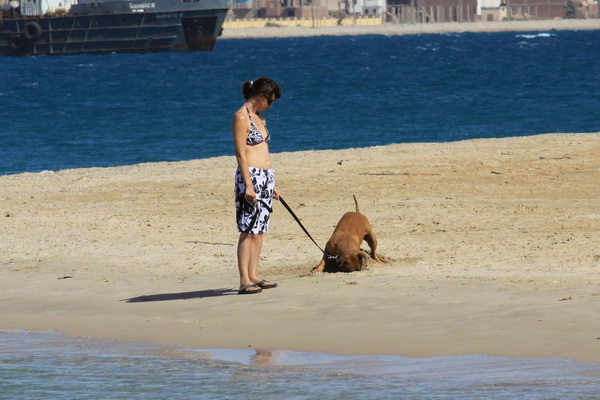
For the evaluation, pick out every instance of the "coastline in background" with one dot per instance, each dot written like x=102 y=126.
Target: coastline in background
x=236 y=28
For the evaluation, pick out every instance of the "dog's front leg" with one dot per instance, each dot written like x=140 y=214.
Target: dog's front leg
x=320 y=267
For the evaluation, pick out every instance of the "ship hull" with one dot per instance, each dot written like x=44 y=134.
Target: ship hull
x=101 y=33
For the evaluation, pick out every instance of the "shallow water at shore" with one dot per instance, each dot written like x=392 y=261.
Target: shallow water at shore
x=42 y=365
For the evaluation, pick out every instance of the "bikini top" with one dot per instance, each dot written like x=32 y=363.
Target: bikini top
x=254 y=136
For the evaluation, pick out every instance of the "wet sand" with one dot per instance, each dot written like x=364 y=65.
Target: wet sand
x=491 y=248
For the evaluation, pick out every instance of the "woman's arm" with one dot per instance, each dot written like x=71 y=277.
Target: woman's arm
x=240 y=129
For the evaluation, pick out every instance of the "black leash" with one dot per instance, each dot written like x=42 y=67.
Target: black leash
x=299 y=223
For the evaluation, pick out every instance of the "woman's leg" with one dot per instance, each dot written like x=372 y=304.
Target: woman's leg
x=255 y=249
x=249 y=247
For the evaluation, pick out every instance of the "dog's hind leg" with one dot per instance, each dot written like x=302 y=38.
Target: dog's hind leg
x=371 y=240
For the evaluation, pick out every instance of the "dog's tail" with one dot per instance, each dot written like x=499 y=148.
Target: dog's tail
x=356 y=203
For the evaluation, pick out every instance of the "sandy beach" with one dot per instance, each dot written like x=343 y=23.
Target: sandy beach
x=411 y=29
x=491 y=248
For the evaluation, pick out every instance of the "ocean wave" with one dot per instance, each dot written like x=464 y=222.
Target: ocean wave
x=535 y=35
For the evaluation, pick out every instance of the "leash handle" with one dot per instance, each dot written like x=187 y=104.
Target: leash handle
x=299 y=223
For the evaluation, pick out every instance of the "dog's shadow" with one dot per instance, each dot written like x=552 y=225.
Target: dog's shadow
x=200 y=294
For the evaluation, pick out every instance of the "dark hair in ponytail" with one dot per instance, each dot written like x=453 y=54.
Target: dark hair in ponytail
x=266 y=86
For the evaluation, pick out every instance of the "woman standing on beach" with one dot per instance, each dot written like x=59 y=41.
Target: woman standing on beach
x=254 y=180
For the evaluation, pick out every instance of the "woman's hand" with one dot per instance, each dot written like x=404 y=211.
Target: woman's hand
x=250 y=194
x=275 y=193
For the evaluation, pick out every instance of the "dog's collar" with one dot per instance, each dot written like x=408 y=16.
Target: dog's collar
x=332 y=257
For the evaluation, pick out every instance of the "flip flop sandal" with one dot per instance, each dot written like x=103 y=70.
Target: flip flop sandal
x=244 y=289
x=264 y=285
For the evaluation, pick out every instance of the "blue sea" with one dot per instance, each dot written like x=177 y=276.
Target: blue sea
x=338 y=92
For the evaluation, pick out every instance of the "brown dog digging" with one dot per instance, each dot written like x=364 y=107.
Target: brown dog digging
x=342 y=251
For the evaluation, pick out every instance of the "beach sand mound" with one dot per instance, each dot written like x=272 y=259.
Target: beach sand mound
x=491 y=248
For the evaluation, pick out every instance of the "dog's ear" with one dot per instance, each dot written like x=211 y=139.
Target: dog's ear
x=348 y=263
x=361 y=259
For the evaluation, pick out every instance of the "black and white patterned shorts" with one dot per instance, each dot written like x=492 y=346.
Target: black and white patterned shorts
x=254 y=218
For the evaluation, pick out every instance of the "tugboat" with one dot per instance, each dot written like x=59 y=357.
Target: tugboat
x=53 y=27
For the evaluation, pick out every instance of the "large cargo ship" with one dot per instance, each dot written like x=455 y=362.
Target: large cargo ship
x=38 y=27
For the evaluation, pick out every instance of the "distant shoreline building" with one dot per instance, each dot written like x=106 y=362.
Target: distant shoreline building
x=430 y=11
x=417 y=11
x=502 y=10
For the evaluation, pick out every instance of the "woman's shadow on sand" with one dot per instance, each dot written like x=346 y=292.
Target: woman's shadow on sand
x=200 y=294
